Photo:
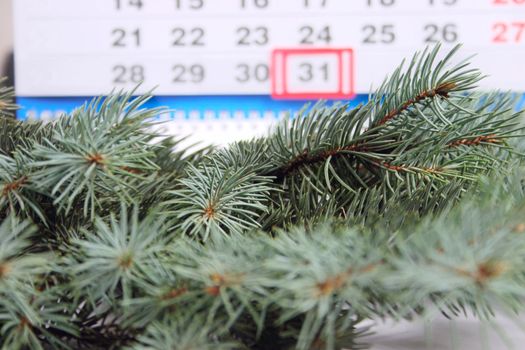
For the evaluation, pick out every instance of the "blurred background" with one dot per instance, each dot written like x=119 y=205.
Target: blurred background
x=6 y=36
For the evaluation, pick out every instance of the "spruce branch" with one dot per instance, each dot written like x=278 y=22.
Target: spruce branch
x=17 y=135
x=321 y=274
x=423 y=126
x=400 y=207
x=17 y=194
x=96 y=154
x=213 y=202
x=7 y=107
x=14 y=133
x=324 y=291
x=424 y=82
x=442 y=90
x=467 y=271
x=27 y=314
x=185 y=332
x=111 y=259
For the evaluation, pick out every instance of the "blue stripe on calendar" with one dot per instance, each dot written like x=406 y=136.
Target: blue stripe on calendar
x=187 y=107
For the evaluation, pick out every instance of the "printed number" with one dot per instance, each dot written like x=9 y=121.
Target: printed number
x=195 y=35
x=119 y=4
x=312 y=3
x=260 y=4
x=309 y=72
x=442 y=2
x=508 y=32
x=509 y=2
x=379 y=34
x=189 y=4
x=310 y=36
x=188 y=74
x=252 y=36
x=259 y=72
x=132 y=74
x=447 y=33
x=125 y=39
x=384 y=3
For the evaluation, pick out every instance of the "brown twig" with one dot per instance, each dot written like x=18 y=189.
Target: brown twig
x=13 y=186
x=174 y=293
x=492 y=138
x=220 y=281
x=442 y=90
x=484 y=272
x=331 y=284
x=305 y=159
x=96 y=158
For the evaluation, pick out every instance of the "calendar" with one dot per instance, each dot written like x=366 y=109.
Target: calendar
x=227 y=69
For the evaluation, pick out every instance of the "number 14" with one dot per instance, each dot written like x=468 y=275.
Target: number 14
x=119 y=4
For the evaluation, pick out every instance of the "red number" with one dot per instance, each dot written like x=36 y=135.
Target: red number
x=508 y=2
x=509 y=32
x=500 y=30
x=520 y=29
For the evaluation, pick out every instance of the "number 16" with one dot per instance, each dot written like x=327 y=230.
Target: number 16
x=308 y=3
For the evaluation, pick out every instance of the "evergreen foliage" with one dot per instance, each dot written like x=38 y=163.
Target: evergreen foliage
x=409 y=204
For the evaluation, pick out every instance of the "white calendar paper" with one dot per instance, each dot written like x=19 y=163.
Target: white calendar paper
x=226 y=47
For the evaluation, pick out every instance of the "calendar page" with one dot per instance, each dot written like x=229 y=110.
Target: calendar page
x=229 y=68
